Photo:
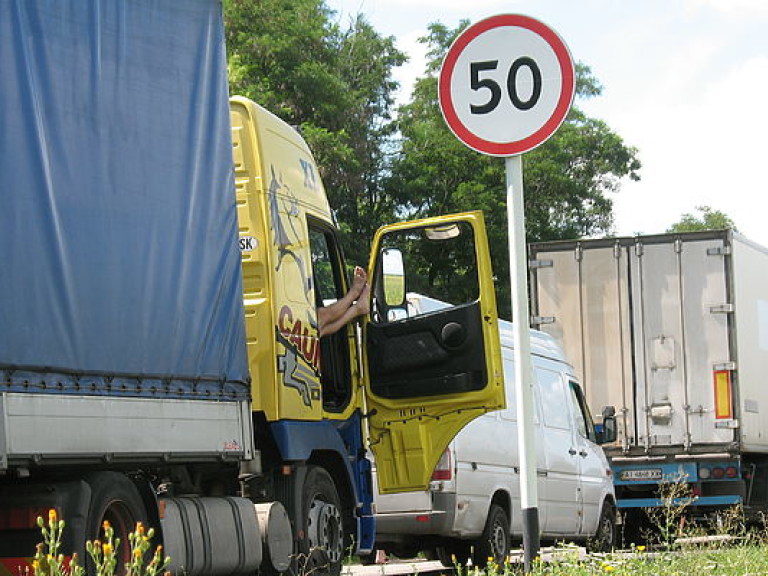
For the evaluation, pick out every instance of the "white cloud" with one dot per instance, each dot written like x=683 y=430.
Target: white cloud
x=706 y=151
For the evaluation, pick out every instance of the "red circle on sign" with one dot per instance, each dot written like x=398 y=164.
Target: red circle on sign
x=549 y=127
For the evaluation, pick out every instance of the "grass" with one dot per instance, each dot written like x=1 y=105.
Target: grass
x=742 y=560
x=722 y=547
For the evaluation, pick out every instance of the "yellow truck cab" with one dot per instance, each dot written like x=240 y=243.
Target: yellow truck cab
x=407 y=385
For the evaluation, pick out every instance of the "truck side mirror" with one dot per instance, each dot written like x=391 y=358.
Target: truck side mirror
x=393 y=276
x=389 y=287
x=608 y=431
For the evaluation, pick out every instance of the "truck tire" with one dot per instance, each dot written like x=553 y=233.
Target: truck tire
x=322 y=549
x=605 y=536
x=494 y=544
x=114 y=499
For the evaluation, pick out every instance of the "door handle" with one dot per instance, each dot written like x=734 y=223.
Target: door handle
x=572 y=452
x=583 y=453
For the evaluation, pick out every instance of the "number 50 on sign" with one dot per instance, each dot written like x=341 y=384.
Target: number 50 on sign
x=506 y=85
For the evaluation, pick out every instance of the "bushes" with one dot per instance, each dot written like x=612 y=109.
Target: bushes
x=48 y=561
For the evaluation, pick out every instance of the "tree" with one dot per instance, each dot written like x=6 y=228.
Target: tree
x=709 y=219
x=568 y=180
x=336 y=85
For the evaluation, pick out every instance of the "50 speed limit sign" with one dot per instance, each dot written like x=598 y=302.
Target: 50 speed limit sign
x=506 y=85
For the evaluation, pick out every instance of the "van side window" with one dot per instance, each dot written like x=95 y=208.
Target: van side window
x=554 y=402
x=584 y=423
x=327 y=270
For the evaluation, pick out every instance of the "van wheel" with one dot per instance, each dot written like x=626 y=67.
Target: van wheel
x=114 y=499
x=494 y=543
x=604 y=539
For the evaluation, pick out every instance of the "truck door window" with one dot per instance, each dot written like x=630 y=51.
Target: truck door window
x=327 y=270
x=439 y=263
x=431 y=344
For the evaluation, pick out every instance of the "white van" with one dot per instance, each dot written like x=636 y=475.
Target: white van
x=473 y=506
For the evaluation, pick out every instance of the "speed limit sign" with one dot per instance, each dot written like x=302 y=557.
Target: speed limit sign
x=506 y=85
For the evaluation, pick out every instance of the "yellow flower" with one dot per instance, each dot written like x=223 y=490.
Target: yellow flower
x=140 y=528
x=106 y=525
x=107 y=548
x=641 y=548
x=608 y=567
x=52 y=516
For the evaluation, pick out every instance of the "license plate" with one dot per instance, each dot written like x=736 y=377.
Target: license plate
x=643 y=474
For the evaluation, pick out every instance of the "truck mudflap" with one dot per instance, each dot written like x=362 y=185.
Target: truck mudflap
x=702 y=484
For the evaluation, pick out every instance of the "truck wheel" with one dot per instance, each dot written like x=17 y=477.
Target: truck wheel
x=323 y=546
x=114 y=499
x=493 y=545
x=604 y=539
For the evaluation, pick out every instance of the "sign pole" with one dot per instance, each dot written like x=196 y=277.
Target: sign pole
x=518 y=269
x=505 y=86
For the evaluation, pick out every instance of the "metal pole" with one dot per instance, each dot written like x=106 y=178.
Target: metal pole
x=518 y=276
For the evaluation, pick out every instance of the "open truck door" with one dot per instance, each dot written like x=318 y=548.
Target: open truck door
x=431 y=345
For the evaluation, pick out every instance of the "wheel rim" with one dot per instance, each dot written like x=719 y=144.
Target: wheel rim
x=498 y=542
x=325 y=529
x=122 y=521
x=606 y=531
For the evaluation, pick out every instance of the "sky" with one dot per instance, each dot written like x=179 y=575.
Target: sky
x=684 y=81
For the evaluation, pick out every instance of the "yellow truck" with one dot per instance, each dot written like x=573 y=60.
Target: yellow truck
x=165 y=258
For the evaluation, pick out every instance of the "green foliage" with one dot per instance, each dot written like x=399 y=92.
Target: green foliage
x=568 y=180
x=49 y=562
x=708 y=219
x=676 y=497
x=336 y=85
x=747 y=558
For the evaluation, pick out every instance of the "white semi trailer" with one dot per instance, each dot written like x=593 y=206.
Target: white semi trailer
x=671 y=332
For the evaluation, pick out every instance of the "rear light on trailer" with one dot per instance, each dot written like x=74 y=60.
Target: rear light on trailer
x=723 y=395
x=443 y=470
x=718 y=471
